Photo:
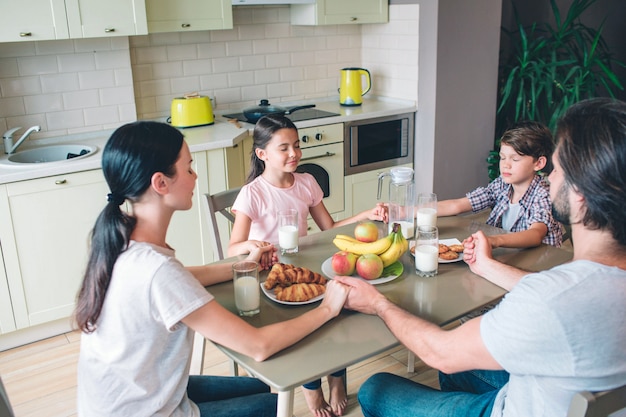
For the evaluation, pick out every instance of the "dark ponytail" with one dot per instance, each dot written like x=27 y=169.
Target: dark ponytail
x=263 y=132
x=133 y=153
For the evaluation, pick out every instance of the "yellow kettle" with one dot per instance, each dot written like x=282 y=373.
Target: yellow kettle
x=351 y=88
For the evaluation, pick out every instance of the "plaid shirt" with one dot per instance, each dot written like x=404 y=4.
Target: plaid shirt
x=535 y=207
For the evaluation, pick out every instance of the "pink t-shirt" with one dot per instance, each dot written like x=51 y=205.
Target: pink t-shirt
x=260 y=201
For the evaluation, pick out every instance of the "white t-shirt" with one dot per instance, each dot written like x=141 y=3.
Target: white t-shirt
x=558 y=332
x=136 y=362
x=260 y=201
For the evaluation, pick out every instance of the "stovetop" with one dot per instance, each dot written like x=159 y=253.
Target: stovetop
x=297 y=116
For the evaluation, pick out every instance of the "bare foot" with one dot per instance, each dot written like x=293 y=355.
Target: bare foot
x=315 y=400
x=338 y=397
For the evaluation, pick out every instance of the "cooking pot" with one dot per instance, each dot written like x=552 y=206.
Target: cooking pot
x=191 y=110
x=253 y=114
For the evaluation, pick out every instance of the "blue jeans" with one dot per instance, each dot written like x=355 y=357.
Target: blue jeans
x=313 y=385
x=221 y=396
x=472 y=395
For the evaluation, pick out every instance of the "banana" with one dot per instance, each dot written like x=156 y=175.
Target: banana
x=349 y=238
x=397 y=248
x=360 y=248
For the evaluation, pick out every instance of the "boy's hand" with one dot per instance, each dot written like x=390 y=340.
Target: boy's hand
x=380 y=213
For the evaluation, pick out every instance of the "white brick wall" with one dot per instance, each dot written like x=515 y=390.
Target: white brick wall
x=75 y=86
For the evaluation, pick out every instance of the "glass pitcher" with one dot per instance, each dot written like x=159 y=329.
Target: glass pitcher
x=401 y=199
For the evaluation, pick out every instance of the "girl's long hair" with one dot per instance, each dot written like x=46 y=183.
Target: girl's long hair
x=133 y=153
x=263 y=132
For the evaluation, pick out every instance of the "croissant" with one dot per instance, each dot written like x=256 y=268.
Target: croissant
x=299 y=292
x=285 y=275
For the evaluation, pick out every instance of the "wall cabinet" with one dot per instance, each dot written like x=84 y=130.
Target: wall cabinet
x=44 y=235
x=37 y=20
x=333 y=12
x=188 y=15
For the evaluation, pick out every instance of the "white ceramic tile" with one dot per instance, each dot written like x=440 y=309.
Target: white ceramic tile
x=278 y=30
x=267 y=76
x=142 y=72
x=291 y=44
x=241 y=78
x=15 y=49
x=165 y=38
x=265 y=46
x=19 y=86
x=37 y=65
x=116 y=95
x=29 y=120
x=204 y=66
x=291 y=74
x=54 y=47
x=162 y=70
x=145 y=105
x=81 y=99
x=42 y=103
x=303 y=87
x=213 y=81
x=225 y=65
x=102 y=115
x=252 y=62
x=267 y=15
x=76 y=62
x=151 y=54
x=253 y=92
x=224 y=35
x=326 y=57
x=123 y=76
x=8 y=67
x=212 y=50
x=96 y=79
x=181 y=52
x=56 y=83
x=196 y=36
x=112 y=59
x=127 y=112
x=228 y=95
x=120 y=42
x=303 y=59
x=155 y=88
x=278 y=90
x=183 y=85
x=65 y=119
x=92 y=44
x=13 y=106
x=277 y=60
x=237 y=48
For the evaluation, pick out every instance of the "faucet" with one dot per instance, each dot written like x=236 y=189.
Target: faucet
x=7 y=138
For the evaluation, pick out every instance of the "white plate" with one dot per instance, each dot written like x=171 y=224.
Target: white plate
x=327 y=269
x=270 y=294
x=445 y=242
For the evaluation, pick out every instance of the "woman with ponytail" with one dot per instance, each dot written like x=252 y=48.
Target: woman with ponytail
x=138 y=306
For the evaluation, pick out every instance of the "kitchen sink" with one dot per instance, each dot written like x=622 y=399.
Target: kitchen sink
x=52 y=153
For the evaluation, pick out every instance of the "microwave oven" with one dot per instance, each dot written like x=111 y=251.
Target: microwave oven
x=382 y=142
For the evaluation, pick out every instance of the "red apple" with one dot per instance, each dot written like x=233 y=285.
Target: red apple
x=366 y=232
x=369 y=266
x=344 y=263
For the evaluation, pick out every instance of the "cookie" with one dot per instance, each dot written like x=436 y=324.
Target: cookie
x=456 y=248
x=443 y=248
x=449 y=255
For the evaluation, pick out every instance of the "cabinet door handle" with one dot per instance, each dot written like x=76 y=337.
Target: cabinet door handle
x=353 y=19
x=25 y=34
x=109 y=30
x=326 y=155
x=60 y=182
x=186 y=25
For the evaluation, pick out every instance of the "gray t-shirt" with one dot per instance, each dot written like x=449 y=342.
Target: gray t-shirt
x=136 y=362
x=558 y=332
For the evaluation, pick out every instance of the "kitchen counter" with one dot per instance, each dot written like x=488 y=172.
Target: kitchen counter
x=221 y=134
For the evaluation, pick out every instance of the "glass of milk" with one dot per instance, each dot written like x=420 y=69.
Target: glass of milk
x=247 y=288
x=426 y=251
x=427 y=209
x=288 y=231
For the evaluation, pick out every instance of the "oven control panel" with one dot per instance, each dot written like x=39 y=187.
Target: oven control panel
x=320 y=135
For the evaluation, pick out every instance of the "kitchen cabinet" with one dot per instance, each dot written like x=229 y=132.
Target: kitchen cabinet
x=37 y=20
x=44 y=233
x=333 y=12
x=7 y=322
x=188 y=15
x=362 y=189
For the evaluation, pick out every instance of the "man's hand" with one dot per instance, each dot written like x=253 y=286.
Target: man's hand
x=363 y=296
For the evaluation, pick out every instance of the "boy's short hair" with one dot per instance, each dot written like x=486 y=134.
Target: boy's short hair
x=531 y=138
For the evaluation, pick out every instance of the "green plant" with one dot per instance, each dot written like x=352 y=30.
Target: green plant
x=551 y=66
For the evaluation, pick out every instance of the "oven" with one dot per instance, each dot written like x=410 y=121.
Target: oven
x=381 y=142
x=322 y=157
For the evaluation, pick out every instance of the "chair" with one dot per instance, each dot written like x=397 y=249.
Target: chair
x=598 y=404
x=216 y=203
x=5 y=406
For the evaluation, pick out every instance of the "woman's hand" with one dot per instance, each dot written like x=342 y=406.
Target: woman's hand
x=380 y=213
x=335 y=296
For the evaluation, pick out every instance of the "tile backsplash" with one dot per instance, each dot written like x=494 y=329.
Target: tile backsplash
x=74 y=86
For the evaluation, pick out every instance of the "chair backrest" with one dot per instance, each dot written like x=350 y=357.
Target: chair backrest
x=5 y=405
x=598 y=404
x=220 y=203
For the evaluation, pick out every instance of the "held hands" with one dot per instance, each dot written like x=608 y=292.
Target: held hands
x=363 y=296
x=380 y=213
x=262 y=252
x=335 y=296
x=477 y=251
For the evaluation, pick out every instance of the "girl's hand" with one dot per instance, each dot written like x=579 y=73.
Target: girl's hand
x=380 y=213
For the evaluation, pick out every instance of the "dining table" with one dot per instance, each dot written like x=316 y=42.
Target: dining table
x=352 y=337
